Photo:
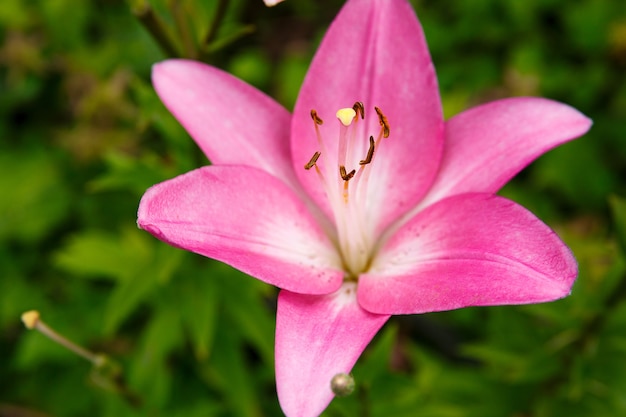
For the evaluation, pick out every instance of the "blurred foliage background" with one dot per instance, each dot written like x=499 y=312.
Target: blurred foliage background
x=82 y=135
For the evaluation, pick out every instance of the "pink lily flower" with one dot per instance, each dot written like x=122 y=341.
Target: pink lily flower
x=271 y=3
x=387 y=210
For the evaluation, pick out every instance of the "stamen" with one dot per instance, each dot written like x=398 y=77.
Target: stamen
x=32 y=320
x=106 y=373
x=312 y=161
x=346 y=116
x=346 y=176
x=316 y=118
x=370 y=153
x=348 y=195
x=383 y=122
x=359 y=108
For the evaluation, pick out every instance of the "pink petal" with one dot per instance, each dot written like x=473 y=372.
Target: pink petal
x=487 y=145
x=318 y=337
x=468 y=250
x=247 y=219
x=270 y=3
x=374 y=52
x=232 y=122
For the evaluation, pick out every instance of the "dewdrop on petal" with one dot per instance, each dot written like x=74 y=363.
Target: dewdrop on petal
x=342 y=385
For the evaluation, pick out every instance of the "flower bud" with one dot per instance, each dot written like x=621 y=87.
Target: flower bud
x=342 y=384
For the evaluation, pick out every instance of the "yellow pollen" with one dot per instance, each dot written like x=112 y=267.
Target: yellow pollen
x=346 y=116
x=30 y=319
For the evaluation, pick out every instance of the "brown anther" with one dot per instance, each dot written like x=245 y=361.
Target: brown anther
x=346 y=176
x=313 y=160
x=370 y=153
x=383 y=122
x=316 y=118
x=359 y=109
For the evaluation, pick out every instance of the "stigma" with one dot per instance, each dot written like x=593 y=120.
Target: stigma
x=344 y=163
x=346 y=116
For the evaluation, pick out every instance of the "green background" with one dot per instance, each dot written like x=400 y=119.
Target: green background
x=82 y=135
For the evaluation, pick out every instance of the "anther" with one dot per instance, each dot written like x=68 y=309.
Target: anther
x=346 y=176
x=383 y=122
x=359 y=109
x=370 y=153
x=312 y=161
x=316 y=118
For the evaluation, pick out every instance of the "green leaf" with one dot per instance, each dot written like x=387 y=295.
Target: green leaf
x=97 y=254
x=618 y=211
x=559 y=171
x=376 y=358
x=129 y=173
x=33 y=199
x=233 y=374
x=199 y=311
x=243 y=299
x=150 y=372
x=148 y=275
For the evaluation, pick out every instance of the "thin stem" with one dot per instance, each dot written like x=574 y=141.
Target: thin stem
x=364 y=403
x=105 y=373
x=32 y=320
x=156 y=27
x=226 y=40
x=182 y=27
x=80 y=351
x=220 y=12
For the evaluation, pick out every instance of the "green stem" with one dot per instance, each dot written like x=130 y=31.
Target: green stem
x=105 y=372
x=182 y=27
x=220 y=12
x=94 y=358
x=226 y=40
x=156 y=27
x=364 y=403
x=109 y=376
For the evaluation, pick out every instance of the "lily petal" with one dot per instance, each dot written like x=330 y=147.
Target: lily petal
x=468 y=250
x=248 y=219
x=487 y=145
x=318 y=337
x=232 y=122
x=374 y=52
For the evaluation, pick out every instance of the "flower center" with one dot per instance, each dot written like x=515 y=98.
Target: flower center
x=344 y=173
